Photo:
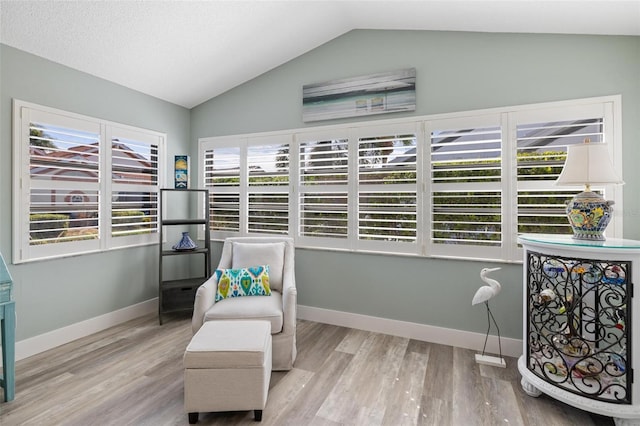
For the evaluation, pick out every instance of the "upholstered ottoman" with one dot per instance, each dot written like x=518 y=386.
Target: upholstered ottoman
x=227 y=367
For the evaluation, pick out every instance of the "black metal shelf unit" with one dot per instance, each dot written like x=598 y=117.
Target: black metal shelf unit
x=177 y=295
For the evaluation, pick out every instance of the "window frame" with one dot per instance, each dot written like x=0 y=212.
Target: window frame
x=610 y=110
x=147 y=138
x=283 y=189
x=23 y=251
x=383 y=129
x=463 y=250
x=223 y=143
x=507 y=118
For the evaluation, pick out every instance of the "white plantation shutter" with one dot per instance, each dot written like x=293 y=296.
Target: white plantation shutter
x=542 y=140
x=268 y=192
x=249 y=182
x=64 y=198
x=324 y=214
x=134 y=213
x=222 y=178
x=61 y=186
x=323 y=174
x=466 y=185
x=134 y=186
x=387 y=188
x=453 y=185
x=70 y=154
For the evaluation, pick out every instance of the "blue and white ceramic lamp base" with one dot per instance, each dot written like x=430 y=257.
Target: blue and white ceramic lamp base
x=589 y=214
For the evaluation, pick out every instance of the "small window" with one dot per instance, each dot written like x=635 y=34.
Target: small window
x=268 y=193
x=222 y=177
x=323 y=187
x=134 y=183
x=466 y=185
x=64 y=171
x=541 y=153
x=387 y=188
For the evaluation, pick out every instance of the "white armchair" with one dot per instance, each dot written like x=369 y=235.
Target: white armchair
x=279 y=308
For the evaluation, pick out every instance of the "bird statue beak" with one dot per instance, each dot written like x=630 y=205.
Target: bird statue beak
x=493 y=269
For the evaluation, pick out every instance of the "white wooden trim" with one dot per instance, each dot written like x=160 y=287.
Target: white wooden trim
x=412 y=330
x=49 y=340
x=428 y=333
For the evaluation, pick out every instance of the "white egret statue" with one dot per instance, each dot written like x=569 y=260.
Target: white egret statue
x=484 y=294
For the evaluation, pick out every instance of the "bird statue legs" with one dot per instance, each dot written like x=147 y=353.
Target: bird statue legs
x=490 y=360
x=489 y=319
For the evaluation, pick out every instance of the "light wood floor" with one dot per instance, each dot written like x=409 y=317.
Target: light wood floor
x=131 y=374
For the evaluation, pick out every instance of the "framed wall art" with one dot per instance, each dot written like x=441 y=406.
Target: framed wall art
x=380 y=93
x=181 y=166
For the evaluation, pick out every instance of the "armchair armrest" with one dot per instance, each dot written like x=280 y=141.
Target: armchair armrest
x=289 y=304
x=205 y=298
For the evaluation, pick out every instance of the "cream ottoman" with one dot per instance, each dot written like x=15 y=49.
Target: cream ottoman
x=227 y=367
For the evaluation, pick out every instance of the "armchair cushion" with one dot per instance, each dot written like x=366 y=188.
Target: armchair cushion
x=249 y=308
x=272 y=254
x=251 y=281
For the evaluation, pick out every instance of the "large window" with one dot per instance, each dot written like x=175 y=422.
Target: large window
x=453 y=185
x=81 y=184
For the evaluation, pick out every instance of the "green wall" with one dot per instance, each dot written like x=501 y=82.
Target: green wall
x=456 y=71
x=55 y=293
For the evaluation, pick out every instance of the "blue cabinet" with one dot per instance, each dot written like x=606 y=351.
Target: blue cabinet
x=8 y=332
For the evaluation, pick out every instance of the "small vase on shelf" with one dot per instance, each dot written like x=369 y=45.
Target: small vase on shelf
x=185 y=243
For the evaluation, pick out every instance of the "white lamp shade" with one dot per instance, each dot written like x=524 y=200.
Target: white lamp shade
x=587 y=164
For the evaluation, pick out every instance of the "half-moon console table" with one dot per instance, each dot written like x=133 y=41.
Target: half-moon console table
x=580 y=321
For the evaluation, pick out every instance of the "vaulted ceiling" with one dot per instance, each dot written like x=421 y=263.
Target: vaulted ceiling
x=187 y=52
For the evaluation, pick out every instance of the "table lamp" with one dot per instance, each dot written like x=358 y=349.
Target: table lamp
x=588 y=212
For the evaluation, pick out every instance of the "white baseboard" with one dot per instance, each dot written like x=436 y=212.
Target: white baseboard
x=412 y=330
x=428 y=333
x=43 y=342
